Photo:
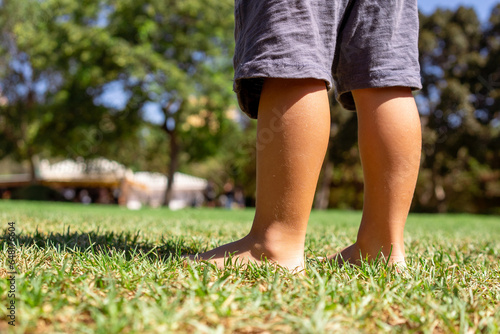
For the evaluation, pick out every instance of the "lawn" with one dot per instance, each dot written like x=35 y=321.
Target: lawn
x=103 y=269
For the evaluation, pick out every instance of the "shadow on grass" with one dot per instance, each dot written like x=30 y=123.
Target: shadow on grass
x=106 y=242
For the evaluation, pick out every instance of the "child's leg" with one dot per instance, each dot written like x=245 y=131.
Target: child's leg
x=389 y=143
x=292 y=136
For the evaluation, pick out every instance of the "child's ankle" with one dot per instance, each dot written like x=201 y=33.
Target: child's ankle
x=386 y=251
x=275 y=247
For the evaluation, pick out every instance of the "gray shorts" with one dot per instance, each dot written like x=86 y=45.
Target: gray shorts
x=352 y=44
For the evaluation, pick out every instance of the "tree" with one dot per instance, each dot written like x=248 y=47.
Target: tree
x=340 y=183
x=192 y=89
x=60 y=65
x=55 y=67
x=457 y=106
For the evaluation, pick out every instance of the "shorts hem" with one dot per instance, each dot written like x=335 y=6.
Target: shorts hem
x=281 y=69
x=394 y=79
x=248 y=100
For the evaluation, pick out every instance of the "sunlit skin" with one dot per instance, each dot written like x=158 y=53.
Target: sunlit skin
x=292 y=136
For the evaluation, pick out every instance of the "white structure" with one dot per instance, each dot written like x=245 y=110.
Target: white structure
x=149 y=188
x=136 y=189
x=98 y=170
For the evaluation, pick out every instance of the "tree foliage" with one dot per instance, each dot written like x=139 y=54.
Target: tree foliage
x=460 y=112
x=82 y=78
x=56 y=63
x=192 y=40
x=61 y=67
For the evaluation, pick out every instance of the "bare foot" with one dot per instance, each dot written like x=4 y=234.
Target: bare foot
x=354 y=254
x=247 y=250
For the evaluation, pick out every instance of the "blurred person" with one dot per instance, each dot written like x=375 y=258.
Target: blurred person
x=239 y=197
x=229 y=194
x=210 y=194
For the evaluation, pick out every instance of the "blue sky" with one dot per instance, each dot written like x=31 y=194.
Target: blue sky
x=482 y=7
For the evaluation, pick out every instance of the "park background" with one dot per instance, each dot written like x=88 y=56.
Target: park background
x=149 y=84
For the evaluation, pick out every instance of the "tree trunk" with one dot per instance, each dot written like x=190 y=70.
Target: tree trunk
x=438 y=192
x=28 y=153
x=172 y=166
x=324 y=187
x=33 y=166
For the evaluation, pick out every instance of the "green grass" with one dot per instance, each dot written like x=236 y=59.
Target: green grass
x=99 y=269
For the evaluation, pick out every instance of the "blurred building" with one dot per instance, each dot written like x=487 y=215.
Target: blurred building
x=149 y=188
x=107 y=182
